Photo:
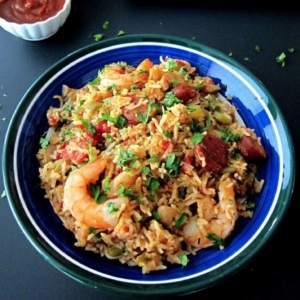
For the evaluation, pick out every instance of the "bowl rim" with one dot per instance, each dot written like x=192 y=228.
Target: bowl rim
x=190 y=284
x=58 y=14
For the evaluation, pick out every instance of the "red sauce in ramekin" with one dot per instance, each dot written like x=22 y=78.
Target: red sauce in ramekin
x=29 y=11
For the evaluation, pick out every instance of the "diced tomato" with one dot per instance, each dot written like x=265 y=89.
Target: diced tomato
x=180 y=63
x=188 y=162
x=52 y=121
x=101 y=128
x=165 y=144
x=126 y=228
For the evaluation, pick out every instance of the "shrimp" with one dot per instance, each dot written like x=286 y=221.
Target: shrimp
x=83 y=207
x=114 y=75
x=218 y=218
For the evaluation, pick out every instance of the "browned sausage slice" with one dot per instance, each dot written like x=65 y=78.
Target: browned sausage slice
x=184 y=92
x=212 y=153
x=250 y=148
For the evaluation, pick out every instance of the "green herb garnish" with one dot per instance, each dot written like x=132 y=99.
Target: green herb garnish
x=144 y=119
x=183 y=259
x=171 y=99
x=181 y=220
x=173 y=164
x=216 y=241
x=281 y=59
x=111 y=208
x=119 y=121
x=197 y=138
x=98 y=37
x=105 y=25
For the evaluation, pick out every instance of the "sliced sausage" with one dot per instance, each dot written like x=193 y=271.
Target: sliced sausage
x=250 y=148
x=184 y=92
x=212 y=153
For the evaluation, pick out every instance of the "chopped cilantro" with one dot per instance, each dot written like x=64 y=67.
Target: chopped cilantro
x=111 y=207
x=173 y=164
x=98 y=37
x=246 y=58
x=3 y=194
x=82 y=101
x=43 y=141
x=106 y=184
x=167 y=134
x=156 y=216
x=4 y=119
x=152 y=184
x=171 y=64
x=257 y=48
x=133 y=88
x=96 y=194
x=146 y=170
x=128 y=192
x=92 y=156
x=216 y=241
x=196 y=127
x=181 y=220
x=153 y=159
x=144 y=119
x=174 y=82
x=182 y=70
x=171 y=99
x=119 y=121
x=197 y=138
x=89 y=126
x=126 y=158
x=107 y=101
x=183 y=259
x=68 y=108
x=291 y=50
x=281 y=59
x=121 y=32
x=230 y=53
x=227 y=136
x=105 y=25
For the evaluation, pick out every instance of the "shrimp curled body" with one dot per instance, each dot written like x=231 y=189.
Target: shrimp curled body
x=82 y=206
x=219 y=218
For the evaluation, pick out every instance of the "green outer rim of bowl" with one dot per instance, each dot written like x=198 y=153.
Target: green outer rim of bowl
x=150 y=290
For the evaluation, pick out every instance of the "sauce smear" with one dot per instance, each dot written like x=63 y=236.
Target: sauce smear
x=29 y=11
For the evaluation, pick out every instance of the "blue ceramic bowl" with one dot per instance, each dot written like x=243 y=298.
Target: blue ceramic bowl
x=44 y=229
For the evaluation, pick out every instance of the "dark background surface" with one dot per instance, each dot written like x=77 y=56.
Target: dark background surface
x=274 y=273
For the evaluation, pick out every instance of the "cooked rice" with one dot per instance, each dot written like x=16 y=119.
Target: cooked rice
x=143 y=237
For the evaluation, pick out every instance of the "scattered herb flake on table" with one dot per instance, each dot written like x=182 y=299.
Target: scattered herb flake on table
x=230 y=54
x=257 y=48
x=106 y=25
x=121 y=32
x=98 y=37
x=3 y=194
x=281 y=59
x=291 y=50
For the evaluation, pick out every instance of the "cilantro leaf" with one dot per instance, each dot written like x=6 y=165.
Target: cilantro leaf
x=3 y=194
x=121 y=32
x=105 y=25
x=98 y=37
x=228 y=136
x=197 y=138
x=96 y=194
x=153 y=159
x=156 y=216
x=257 y=48
x=183 y=259
x=144 y=119
x=281 y=59
x=171 y=99
x=89 y=126
x=126 y=158
x=171 y=64
x=167 y=134
x=128 y=192
x=173 y=164
x=111 y=208
x=216 y=241
x=152 y=184
x=119 y=121
x=181 y=220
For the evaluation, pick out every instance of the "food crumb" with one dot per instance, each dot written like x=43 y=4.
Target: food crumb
x=3 y=194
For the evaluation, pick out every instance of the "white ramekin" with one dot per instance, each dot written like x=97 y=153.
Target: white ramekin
x=39 y=30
